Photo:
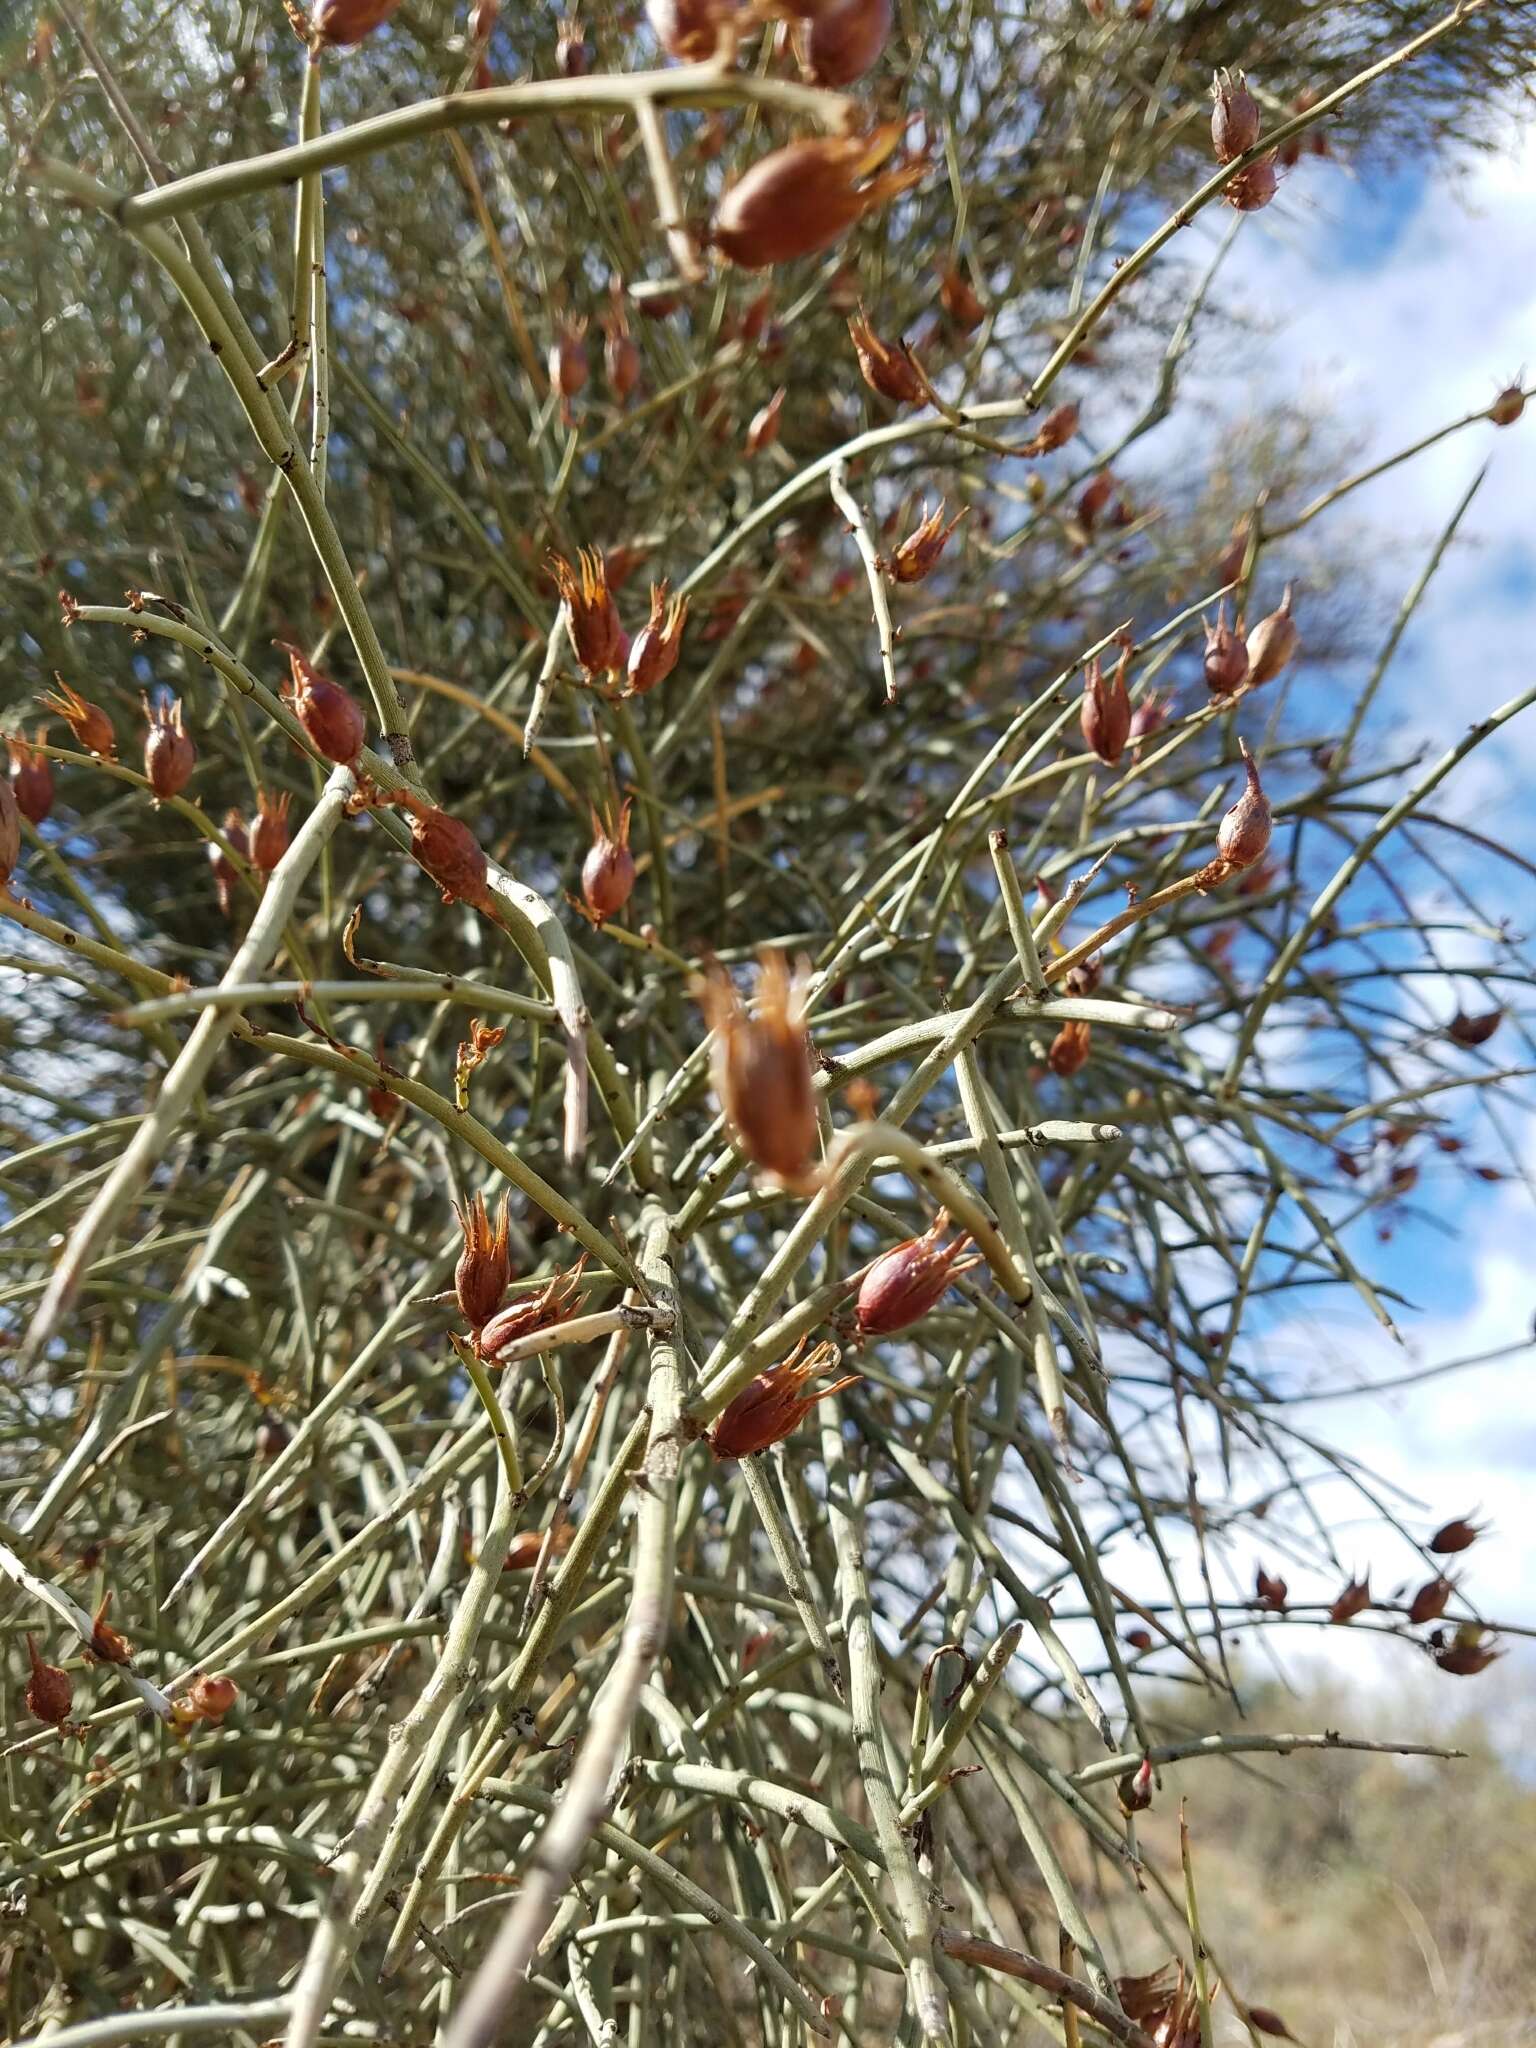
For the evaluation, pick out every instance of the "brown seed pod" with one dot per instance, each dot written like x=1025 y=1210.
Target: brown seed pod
x=1150 y=716
x=916 y=556
x=1269 y=1592
x=1057 y=428
x=209 y=1698
x=960 y=301
x=31 y=778
x=344 y=22
x=807 y=196
x=568 y=368
x=688 y=29
x=655 y=648
x=1242 y=839
x=448 y=850
x=552 y=1304
x=169 y=755
x=572 y=57
x=608 y=872
x=904 y=1283
x=843 y=42
x=1465 y=1030
x=886 y=370
x=269 y=834
x=1226 y=657
x=1272 y=643
x=329 y=714
x=1432 y=1599
x=1455 y=1536
x=1508 y=406
x=1095 y=497
x=761 y=1066
x=483 y=17
x=621 y=361
x=1354 y=1599
x=107 y=1646
x=1254 y=187
x=225 y=874
x=776 y=1402
x=1106 y=713
x=10 y=833
x=523 y=1550
x=591 y=619
x=88 y=722
x=1134 y=1790
x=1069 y=1049
x=764 y=428
x=50 y=1689
x=480 y=1278
x=1469 y=1651
x=1263 y=2021
x=1234 y=118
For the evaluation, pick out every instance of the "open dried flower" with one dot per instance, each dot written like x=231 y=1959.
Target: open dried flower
x=344 y=22
x=1242 y=838
x=776 y=1402
x=448 y=850
x=608 y=872
x=885 y=369
x=484 y=1267
x=10 y=833
x=1354 y=1599
x=761 y=1066
x=169 y=754
x=1269 y=1592
x=330 y=715
x=1069 y=1049
x=688 y=29
x=1469 y=1651
x=1226 y=656
x=1474 y=1030
x=653 y=654
x=107 y=1646
x=904 y=1283
x=844 y=40
x=917 y=555
x=88 y=722
x=1432 y=1599
x=1455 y=1536
x=1106 y=713
x=31 y=778
x=764 y=428
x=225 y=874
x=568 y=364
x=1254 y=187
x=552 y=1304
x=1272 y=643
x=1234 y=118
x=807 y=195
x=591 y=617
x=50 y=1690
x=960 y=301
x=269 y=834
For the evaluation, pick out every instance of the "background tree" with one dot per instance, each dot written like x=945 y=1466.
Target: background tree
x=682 y=1591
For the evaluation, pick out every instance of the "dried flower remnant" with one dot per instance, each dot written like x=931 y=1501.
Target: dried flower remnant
x=330 y=715
x=483 y=17
x=918 y=555
x=1432 y=1599
x=764 y=428
x=107 y=1646
x=1069 y=1049
x=88 y=722
x=31 y=778
x=654 y=651
x=1465 y=1029
x=225 y=874
x=761 y=1066
x=1226 y=656
x=169 y=754
x=1106 y=713
x=568 y=365
x=1242 y=839
x=621 y=358
x=844 y=40
x=1095 y=496
x=688 y=29
x=1057 y=428
x=50 y=1690
x=608 y=872
x=1253 y=187
x=808 y=195
x=484 y=1265
x=1456 y=1536
x=553 y=1304
x=448 y=850
x=1150 y=716
x=1508 y=406
x=960 y=301
x=591 y=617
x=10 y=834
x=1269 y=1592
x=1470 y=1650
x=344 y=22
x=904 y=1283
x=885 y=369
x=572 y=57
x=269 y=833
x=1234 y=118
x=776 y=1403
x=1354 y=1599
x=1272 y=643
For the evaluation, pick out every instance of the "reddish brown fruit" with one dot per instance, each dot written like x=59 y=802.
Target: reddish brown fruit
x=886 y=370
x=329 y=715
x=1474 y=1030
x=1139 y=1638
x=523 y=1550
x=1069 y=1049
x=50 y=1690
x=209 y=1698
x=1226 y=657
x=10 y=833
x=1272 y=643
x=448 y=850
x=808 y=195
x=225 y=875
x=1057 y=428
x=31 y=778
x=88 y=722
x=1354 y=1599
x=572 y=57
x=107 y=1646
x=608 y=872
x=591 y=618
x=653 y=654
x=1242 y=839
x=1134 y=1790
x=1455 y=1536
x=484 y=1268
x=960 y=301
x=269 y=834
x=1150 y=716
x=1469 y=1651
x=1095 y=497
x=169 y=755
x=1106 y=713
x=761 y=1066
x=775 y=1404
x=1508 y=406
x=1235 y=117
x=1263 y=2021
x=1432 y=1599
x=764 y=429
x=1269 y=1593
x=904 y=1283
x=553 y=1304
x=568 y=368
x=344 y=22
x=916 y=556
x=688 y=29
x=1254 y=187
x=844 y=41
x=621 y=361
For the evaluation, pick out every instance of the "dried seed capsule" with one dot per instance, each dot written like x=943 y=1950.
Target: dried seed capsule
x=1466 y=1030
x=1272 y=643
x=1354 y=1599
x=1150 y=716
x=225 y=874
x=844 y=41
x=653 y=654
x=1069 y=1049
x=608 y=872
x=572 y=57
x=31 y=778
x=688 y=29
x=169 y=755
x=1134 y=1790
x=1095 y=497
x=483 y=17
x=50 y=1690
x=1106 y=714
x=88 y=722
x=904 y=1283
x=344 y=22
x=480 y=1278
x=1235 y=117
x=807 y=195
x=1508 y=406
x=1263 y=2021
x=1469 y=1651
x=448 y=850
x=885 y=369
x=1056 y=430
x=10 y=833
x=1254 y=187
x=1269 y=1592
x=621 y=361
x=761 y=1066
x=209 y=1698
x=916 y=556
x=591 y=619
x=107 y=1646
x=776 y=1402
x=329 y=714
x=552 y=1304
x=1455 y=1536
x=1242 y=838
x=523 y=1550
x=960 y=302
x=1226 y=657
x=269 y=834
x=1432 y=1599
x=764 y=428
x=568 y=368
